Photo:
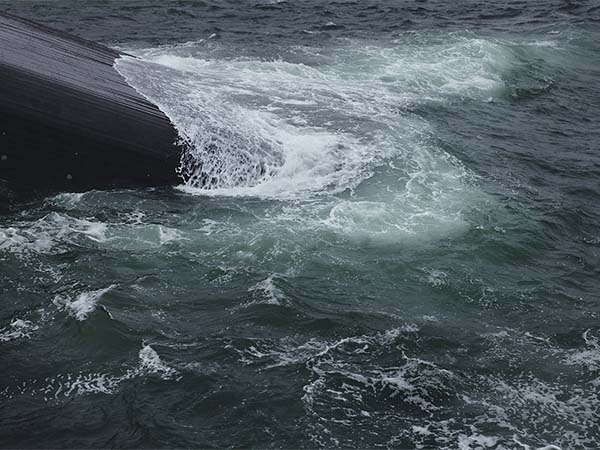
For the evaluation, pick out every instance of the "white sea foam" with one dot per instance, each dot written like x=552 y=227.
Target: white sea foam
x=436 y=278
x=68 y=200
x=289 y=351
x=475 y=441
x=67 y=385
x=150 y=363
x=90 y=383
x=287 y=130
x=43 y=235
x=590 y=356
x=84 y=304
x=17 y=329
x=167 y=234
x=347 y=395
x=56 y=232
x=271 y=294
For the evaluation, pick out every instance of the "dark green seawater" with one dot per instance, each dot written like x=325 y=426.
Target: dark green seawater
x=389 y=235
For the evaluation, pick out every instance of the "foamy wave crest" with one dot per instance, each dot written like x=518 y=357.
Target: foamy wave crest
x=408 y=400
x=83 y=305
x=18 y=329
x=43 y=235
x=283 y=129
x=267 y=292
x=334 y=126
x=588 y=358
x=68 y=385
x=57 y=232
x=152 y=364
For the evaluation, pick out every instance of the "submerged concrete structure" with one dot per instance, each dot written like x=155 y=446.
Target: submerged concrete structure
x=70 y=122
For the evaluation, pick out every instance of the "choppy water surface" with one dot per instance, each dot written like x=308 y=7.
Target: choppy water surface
x=387 y=237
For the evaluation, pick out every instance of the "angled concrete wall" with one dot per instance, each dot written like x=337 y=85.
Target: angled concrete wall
x=70 y=122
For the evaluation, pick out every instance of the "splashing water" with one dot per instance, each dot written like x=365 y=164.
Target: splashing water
x=282 y=129
x=341 y=130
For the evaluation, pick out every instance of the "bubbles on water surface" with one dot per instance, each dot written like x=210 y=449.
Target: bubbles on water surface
x=338 y=128
x=42 y=235
x=267 y=292
x=394 y=389
x=63 y=386
x=17 y=329
x=85 y=303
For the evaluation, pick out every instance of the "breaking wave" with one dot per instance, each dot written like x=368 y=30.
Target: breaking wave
x=335 y=129
x=288 y=128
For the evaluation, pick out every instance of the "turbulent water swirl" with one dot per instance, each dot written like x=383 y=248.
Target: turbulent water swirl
x=387 y=235
x=280 y=128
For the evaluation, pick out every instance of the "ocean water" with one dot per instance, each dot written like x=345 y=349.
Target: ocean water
x=387 y=235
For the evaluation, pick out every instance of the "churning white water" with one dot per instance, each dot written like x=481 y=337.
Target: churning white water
x=333 y=127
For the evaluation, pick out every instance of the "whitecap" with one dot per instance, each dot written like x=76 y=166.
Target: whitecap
x=271 y=294
x=150 y=363
x=84 y=304
x=17 y=329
